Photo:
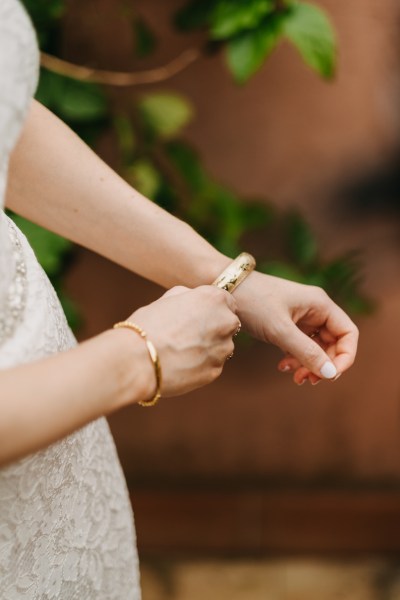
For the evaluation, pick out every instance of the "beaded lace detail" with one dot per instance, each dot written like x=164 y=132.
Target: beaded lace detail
x=66 y=525
x=14 y=304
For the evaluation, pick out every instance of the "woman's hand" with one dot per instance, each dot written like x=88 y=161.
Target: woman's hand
x=318 y=338
x=192 y=331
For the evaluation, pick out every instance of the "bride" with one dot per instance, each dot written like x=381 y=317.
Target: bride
x=66 y=527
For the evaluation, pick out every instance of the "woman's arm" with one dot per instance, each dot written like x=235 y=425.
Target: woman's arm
x=43 y=401
x=58 y=182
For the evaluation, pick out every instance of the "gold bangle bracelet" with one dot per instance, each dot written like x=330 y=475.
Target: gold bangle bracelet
x=236 y=272
x=154 y=359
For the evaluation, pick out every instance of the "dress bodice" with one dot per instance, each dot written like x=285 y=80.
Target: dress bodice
x=66 y=525
x=19 y=63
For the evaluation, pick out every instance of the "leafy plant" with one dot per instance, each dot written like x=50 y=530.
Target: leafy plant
x=251 y=30
x=153 y=158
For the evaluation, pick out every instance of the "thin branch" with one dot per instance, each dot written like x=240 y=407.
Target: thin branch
x=163 y=73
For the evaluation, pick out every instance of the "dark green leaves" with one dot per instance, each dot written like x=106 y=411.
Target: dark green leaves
x=309 y=29
x=145 y=40
x=194 y=15
x=304 y=25
x=46 y=16
x=251 y=29
x=230 y=17
x=247 y=51
x=45 y=11
x=302 y=242
x=214 y=210
x=72 y=100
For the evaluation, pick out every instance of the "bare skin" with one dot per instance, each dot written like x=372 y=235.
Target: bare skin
x=45 y=400
x=58 y=182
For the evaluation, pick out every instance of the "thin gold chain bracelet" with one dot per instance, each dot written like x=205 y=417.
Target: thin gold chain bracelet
x=154 y=359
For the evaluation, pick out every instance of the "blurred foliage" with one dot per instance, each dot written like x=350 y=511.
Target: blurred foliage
x=250 y=30
x=155 y=160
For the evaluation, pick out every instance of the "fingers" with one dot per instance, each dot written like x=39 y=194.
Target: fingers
x=229 y=300
x=345 y=332
x=340 y=352
x=288 y=364
x=307 y=353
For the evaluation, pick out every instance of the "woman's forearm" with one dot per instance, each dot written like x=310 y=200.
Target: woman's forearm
x=44 y=401
x=58 y=182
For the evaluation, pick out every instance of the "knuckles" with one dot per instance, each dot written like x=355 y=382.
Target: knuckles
x=319 y=293
x=212 y=374
x=311 y=354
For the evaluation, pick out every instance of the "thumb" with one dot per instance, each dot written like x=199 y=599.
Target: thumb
x=308 y=352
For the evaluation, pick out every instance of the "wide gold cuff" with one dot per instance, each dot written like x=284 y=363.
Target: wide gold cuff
x=236 y=272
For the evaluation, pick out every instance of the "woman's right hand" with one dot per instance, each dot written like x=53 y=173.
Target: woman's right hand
x=192 y=331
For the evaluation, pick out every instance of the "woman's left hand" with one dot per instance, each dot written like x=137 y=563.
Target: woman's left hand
x=318 y=338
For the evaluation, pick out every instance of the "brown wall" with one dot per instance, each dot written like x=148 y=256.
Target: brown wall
x=290 y=137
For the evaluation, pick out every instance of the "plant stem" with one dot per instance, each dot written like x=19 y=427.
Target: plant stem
x=121 y=79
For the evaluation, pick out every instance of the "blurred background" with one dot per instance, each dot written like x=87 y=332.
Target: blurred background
x=271 y=126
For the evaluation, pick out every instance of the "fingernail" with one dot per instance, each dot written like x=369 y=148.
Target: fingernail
x=301 y=382
x=285 y=369
x=316 y=382
x=337 y=376
x=328 y=370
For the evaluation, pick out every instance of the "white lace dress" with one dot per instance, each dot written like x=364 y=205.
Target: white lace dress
x=66 y=526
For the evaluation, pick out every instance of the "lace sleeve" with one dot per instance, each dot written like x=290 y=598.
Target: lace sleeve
x=18 y=72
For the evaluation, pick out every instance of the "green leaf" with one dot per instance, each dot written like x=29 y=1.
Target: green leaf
x=359 y=305
x=72 y=100
x=302 y=243
x=126 y=136
x=144 y=38
x=247 y=52
x=144 y=178
x=256 y=215
x=309 y=29
x=188 y=163
x=50 y=249
x=50 y=88
x=82 y=102
x=195 y=15
x=232 y=16
x=44 y=11
x=165 y=114
x=281 y=269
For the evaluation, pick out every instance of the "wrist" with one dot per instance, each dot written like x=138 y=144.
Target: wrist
x=204 y=266
x=134 y=372
x=246 y=295
x=210 y=269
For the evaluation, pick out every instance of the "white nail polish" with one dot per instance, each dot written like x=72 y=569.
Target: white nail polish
x=328 y=370
x=285 y=369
